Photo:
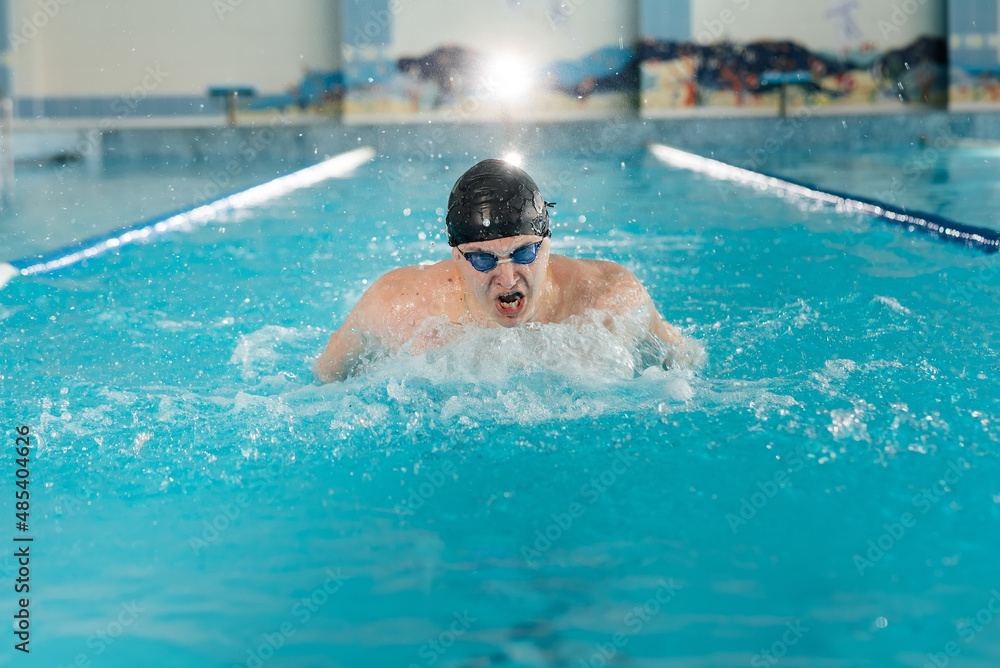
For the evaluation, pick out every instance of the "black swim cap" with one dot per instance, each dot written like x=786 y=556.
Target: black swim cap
x=493 y=200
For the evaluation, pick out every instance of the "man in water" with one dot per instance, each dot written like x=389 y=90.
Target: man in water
x=500 y=273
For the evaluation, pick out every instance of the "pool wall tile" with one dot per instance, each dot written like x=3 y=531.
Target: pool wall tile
x=756 y=137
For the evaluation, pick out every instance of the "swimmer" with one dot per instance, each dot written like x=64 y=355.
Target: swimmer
x=500 y=274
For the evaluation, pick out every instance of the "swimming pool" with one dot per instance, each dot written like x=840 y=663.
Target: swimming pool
x=824 y=491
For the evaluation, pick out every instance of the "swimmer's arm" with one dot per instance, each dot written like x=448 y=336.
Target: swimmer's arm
x=353 y=341
x=662 y=329
x=634 y=295
x=625 y=292
x=684 y=351
x=372 y=325
x=343 y=352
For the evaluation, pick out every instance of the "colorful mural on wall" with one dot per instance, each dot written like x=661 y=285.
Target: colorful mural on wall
x=490 y=59
x=317 y=92
x=743 y=56
x=974 y=50
x=499 y=59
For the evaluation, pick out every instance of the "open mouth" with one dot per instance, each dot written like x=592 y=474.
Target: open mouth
x=510 y=303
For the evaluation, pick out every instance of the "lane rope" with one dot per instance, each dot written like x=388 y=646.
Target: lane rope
x=938 y=227
x=339 y=165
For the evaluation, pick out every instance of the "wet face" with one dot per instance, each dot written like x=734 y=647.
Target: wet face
x=509 y=294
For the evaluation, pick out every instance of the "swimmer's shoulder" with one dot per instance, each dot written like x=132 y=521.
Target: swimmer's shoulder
x=403 y=282
x=598 y=284
x=388 y=314
x=603 y=270
x=398 y=302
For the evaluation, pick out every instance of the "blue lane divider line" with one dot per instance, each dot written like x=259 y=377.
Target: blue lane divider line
x=339 y=165
x=938 y=227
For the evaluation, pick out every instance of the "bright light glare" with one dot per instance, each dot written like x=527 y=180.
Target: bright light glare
x=514 y=159
x=509 y=77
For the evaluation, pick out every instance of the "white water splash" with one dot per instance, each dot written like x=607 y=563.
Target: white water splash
x=523 y=375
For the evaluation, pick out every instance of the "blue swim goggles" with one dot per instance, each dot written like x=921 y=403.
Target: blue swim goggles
x=481 y=261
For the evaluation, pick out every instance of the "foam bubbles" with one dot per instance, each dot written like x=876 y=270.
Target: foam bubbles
x=262 y=352
x=463 y=376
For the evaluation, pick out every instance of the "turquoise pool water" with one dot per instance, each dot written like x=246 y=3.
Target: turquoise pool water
x=57 y=205
x=942 y=174
x=822 y=492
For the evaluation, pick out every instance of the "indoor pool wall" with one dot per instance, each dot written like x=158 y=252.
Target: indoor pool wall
x=757 y=137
